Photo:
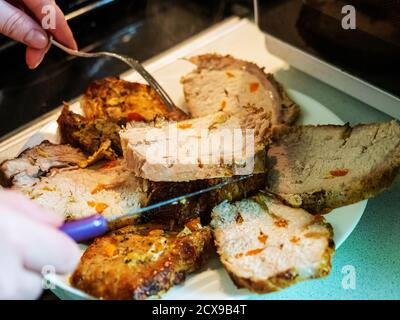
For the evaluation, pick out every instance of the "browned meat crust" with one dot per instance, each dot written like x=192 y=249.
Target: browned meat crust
x=199 y=206
x=140 y=261
x=35 y=162
x=88 y=135
x=120 y=100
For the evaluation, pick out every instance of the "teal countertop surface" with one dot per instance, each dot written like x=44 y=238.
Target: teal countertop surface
x=367 y=264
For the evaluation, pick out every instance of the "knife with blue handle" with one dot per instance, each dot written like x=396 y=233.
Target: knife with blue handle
x=97 y=225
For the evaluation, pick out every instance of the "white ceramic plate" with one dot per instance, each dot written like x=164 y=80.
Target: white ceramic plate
x=213 y=282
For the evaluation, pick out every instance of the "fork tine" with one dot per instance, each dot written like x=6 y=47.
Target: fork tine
x=154 y=84
x=169 y=101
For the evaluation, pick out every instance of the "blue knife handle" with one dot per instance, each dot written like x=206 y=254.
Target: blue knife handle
x=86 y=228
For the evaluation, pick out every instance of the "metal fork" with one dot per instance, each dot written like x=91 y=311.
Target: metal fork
x=130 y=62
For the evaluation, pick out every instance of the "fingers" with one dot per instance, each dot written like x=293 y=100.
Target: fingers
x=17 y=25
x=62 y=32
x=18 y=202
x=47 y=246
x=30 y=285
x=38 y=244
x=34 y=57
x=15 y=281
x=29 y=241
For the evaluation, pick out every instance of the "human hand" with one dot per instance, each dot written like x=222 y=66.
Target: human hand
x=30 y=240
x=19 y=22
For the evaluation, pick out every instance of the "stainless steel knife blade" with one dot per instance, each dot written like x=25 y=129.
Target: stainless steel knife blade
x=176 y=200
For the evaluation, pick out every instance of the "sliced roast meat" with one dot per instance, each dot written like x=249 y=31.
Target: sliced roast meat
x=106 y=188
x=223 y=83
x=215 y=146
x=320 y=168
x=35 y=162
x=140 y=261
x=266 y=246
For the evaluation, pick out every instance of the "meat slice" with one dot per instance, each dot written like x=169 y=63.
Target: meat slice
x=86 y=134
x=49 y=174
x=320 y=168
x=214 y=146
x=35 y=162
x=223 y=83
x=266 y=246
x=73 y=193
x=123 y=101
x=137 y=262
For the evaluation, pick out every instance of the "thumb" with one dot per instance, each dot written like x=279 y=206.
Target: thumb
x=19 y=203
x=17 y=25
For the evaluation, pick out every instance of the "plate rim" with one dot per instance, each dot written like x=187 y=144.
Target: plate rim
x=58 y=283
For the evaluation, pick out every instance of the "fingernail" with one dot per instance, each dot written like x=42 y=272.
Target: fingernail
x=36 y=39
x=34 y=66
x=75 y=45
